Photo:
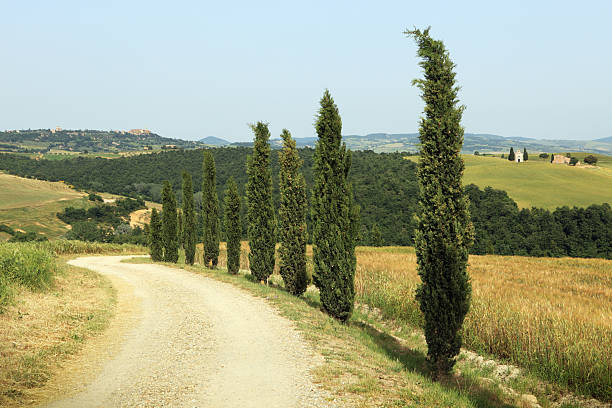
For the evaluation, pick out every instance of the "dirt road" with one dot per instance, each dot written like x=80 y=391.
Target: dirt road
x=199 y=343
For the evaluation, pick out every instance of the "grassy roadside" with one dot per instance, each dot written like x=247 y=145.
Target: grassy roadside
x=372 y=362
x=53 y=309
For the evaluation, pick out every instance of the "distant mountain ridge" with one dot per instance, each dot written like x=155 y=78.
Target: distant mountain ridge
x=42 y=140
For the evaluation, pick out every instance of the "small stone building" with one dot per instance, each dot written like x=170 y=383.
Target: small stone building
x=518 y=157
x=561 y=159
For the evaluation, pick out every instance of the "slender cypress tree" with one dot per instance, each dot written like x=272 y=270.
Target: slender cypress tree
x=511 y=155
x=260 y=210
x=525 y=155
x=189 y=222
x=334 y=215
x=552 y=157
x=292 y=218
x=232 y=226
x=155 y=237
x=210 y=205
x=179 y=229
x=444 y=232
x=169 y=223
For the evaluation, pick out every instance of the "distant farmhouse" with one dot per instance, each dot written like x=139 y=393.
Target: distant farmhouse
x=561 y=159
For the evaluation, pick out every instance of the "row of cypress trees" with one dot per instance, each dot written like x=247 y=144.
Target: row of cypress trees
x=334 y=213
x=178 y=229
x=443 y=236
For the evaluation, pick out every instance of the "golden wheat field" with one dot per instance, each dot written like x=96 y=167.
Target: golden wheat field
x=552 y=315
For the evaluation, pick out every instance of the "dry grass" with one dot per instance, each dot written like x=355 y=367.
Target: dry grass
x=553 y=316
x=42 y=329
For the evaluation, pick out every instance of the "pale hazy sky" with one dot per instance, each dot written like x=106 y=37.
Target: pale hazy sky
x=193 y=69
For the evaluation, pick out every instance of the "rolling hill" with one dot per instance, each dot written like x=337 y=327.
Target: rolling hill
x=538 y=183
x=97 y=141
x=30 y=205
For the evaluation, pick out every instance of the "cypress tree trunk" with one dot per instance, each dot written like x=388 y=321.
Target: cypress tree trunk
x=335 y=216
x=189 y=223
x=260 y=211
x=210 y=205
x=292 y=218
x=232 y=226
x=445 y=232
x=169 y=223
x=155 y=237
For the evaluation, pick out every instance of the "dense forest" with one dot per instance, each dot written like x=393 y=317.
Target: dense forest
x=384 y=198
x=385 y=188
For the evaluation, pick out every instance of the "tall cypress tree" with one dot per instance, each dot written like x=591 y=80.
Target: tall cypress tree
x=232 y=226
x=189 y=221
x=444 y=232
x=179 y=228
x=525 y=155
x=155 y=237
x=292 y=218
x=511 y=155
x=260 y=211
x=169 y=223
x=334 y=215
x=210 y=212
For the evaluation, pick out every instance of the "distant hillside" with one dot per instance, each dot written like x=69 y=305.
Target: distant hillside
x=92 y=141
x=214 y=141
x=97 y=141
x=481 y=142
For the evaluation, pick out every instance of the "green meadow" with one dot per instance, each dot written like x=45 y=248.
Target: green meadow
x=538 y=183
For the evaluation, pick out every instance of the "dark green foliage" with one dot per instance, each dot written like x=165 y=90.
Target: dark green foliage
x=232 y=226
x=292 y=218
x=502 y=229
x=169 y=224
x=543 y=155
x=503 y=156
x=189 y=220
x=525 y=154
x=95 y=197
x=210 y=211
x=375 y=237
x=511 y=155
x=445 y=232
x=590 y=159
x=261 y=222
x=179 y=228
x=155 y=239
x=334 y=215
x=384 y=198
x=552 y=157
x=573 y=161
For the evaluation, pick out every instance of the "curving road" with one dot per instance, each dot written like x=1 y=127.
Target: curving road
x=198 y=343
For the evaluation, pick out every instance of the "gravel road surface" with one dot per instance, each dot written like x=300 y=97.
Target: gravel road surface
x=198 y=343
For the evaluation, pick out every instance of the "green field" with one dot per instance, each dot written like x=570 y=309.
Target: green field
x=537 y=183
x=31 y=205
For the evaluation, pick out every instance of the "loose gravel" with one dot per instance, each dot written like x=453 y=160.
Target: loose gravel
x=199 y=343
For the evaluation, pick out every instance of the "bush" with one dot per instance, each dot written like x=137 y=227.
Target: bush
x=543 y=155
x=573 y=161
x=590 y=159
x=95 y=197
x=27 y=265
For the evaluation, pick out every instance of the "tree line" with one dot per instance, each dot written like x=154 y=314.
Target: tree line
x=335 y=216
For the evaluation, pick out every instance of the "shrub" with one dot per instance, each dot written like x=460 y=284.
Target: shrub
x=590 y=159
